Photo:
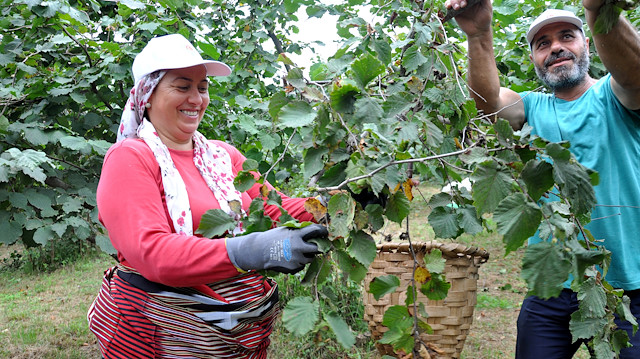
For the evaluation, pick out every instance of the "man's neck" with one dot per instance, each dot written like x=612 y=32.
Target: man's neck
x=575 y=92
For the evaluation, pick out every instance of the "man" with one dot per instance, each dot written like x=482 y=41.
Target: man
x=600 y=118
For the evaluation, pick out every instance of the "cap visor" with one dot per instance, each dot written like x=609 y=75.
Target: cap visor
x=216 y=68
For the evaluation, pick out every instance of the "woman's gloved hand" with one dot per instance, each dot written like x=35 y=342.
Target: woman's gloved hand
x=281 y=249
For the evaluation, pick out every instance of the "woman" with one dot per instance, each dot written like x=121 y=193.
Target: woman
x=175 y=294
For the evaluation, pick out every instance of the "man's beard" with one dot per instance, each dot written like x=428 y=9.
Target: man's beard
x=565 y=76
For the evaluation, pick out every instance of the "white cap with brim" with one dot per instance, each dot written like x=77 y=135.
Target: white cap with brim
x=551 y=16
x=173 y=52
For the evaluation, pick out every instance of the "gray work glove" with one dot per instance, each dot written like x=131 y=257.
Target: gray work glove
x=281 y=249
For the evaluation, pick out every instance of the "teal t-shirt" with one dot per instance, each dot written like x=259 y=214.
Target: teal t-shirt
x=604 y=136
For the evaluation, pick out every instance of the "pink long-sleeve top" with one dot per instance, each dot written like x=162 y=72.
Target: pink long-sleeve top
x=131 y=206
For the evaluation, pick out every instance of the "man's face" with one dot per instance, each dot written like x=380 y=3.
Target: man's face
x=560 y=55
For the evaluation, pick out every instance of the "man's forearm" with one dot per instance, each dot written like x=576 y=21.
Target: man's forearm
x=619 y=50
x=483 y=77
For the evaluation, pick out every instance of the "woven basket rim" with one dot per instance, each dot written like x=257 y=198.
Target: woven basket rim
x=450 y=249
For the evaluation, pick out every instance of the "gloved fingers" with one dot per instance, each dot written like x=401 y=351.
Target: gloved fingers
x=313 y=231
x=300 y=245
x=286 y=270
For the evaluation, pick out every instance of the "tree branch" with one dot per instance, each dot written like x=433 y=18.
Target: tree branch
x=393 y=163
x=276 y=42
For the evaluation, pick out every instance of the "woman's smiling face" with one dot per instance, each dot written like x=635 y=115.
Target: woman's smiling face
x=178 y=104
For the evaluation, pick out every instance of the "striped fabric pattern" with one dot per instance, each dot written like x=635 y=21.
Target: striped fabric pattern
x=135 y=318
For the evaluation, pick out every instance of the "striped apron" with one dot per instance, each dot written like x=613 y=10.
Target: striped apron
x=136 y=318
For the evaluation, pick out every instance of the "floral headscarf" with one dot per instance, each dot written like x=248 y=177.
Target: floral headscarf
x=213 y=162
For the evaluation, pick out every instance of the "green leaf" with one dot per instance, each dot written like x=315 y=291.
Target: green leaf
x=584 y=327
x=593 y=299
x=383 y=50
x=504 y=131
x=398 y=316
x=313 y=160
x=40 y=201
x=11 y=232
x=277 y=102
x=398 y=207
x=507 y=7
x=104 y=243
x=59 y=228
x=250 y=165
x=374 y=214
x=469 y=221
x=300 y=315
x=75 y=143
x=362 y=248
x=608 y=16
x=601 y=348
x=366 y=69
x=319 y=72
x=343 y=333
x=545 y=269
x=623 y=309
x=317 y=272
x=296 y=78
x=517 y=219
x=215 y=223
x=291 y=6
x=36 y=136
x=400 y=340
x=296 y=114
x=341 y=209
x=133 y=4
x=43 y=235
x=413 y=58
x=4 y=122
x=474 y=156
x=258 y=221
x=244 y=181
x=334 y=175
x=436 y=288
x=27 y=162
x=620 y=340
x=444 y=222
x=351 y=267
x=78 y=97
x=368 y=109
x=584 y=258
x=382 y=285
x=538 y=177
x=434 y=262
x=491 y=184
x=209 y=50
x=573 y=178
x=397 y=103
x=343 y=97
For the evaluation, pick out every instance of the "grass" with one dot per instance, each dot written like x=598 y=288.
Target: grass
x=44 y=315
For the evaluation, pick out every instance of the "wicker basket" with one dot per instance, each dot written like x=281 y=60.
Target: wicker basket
x=450 y=318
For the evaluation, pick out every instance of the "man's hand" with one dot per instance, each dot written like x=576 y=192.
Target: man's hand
x=476 y=19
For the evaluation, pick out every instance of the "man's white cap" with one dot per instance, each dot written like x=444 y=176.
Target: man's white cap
x=551 y=16
x=173 y=52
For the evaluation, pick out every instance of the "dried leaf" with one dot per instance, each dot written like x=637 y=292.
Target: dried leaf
x=422 y=275
x=316 y=208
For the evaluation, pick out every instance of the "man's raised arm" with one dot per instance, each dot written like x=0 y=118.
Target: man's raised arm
x=482 y=78
x=619 y=50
